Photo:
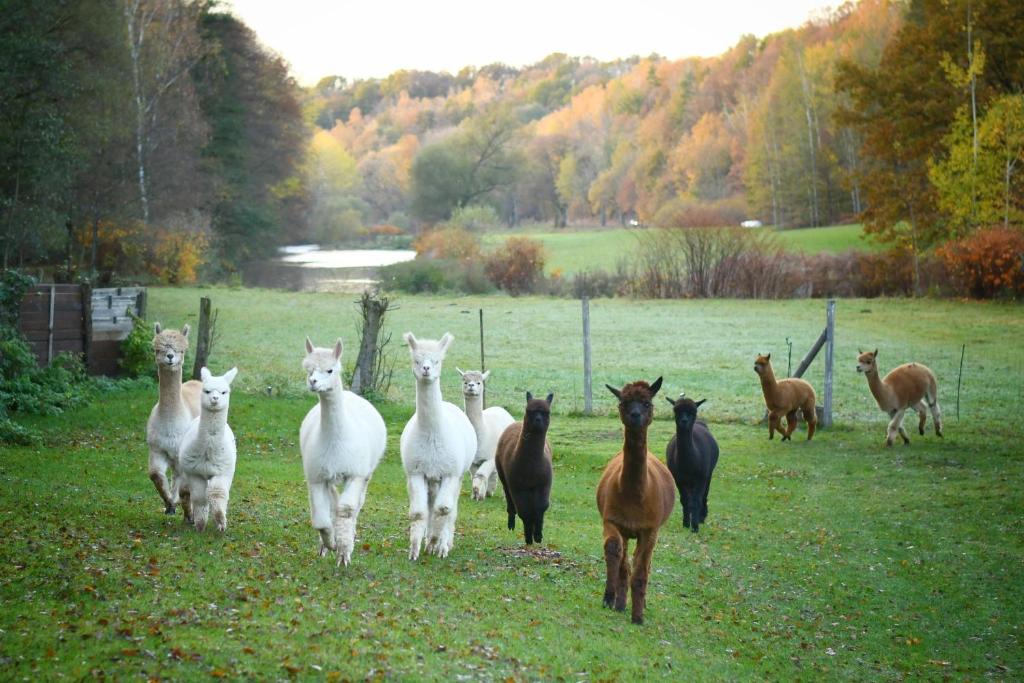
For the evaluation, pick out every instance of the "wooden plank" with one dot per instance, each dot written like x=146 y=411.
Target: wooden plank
x=109 y=335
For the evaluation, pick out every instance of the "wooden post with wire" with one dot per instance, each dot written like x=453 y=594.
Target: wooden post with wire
x=588 y=393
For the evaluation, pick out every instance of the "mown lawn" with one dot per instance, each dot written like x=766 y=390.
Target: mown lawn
x=834 y=559
x=573 y=250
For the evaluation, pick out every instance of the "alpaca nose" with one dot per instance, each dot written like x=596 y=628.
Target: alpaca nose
x=170 y=356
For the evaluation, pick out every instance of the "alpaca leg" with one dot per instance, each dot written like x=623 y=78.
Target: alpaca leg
x=683 y=498
x=492 y=482
x=704 y=503
x=321 y=503
x=158 y=464
x=693 y=504
x=641 y=570
x=418 y=513
x=895 y=427
x=217 y=492
x=445 y=510
x=347 y=515
x=614 y=556
x=922 y=416
x=791 y=422
x=510 y=506
x=200 y=503
x=185 y=498
x=774 y=425
x=481 y=479
x=812 y=424
x=936 y=416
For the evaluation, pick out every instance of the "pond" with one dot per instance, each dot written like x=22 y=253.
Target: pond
x=308 y=268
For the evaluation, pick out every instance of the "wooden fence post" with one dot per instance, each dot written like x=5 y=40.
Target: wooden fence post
x=483 y=366
x=49 y=343
x=588 y=398
x=203 y=339
x=830 y=331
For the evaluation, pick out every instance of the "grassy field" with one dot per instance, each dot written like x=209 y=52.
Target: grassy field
x=573 y=250
x=834 y=559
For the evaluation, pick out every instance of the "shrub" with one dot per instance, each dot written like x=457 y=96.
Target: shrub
x=987 y=263
x=13 y=286
x=686 y=212
x=475 y=218
x=517 y=266
x=598 y=283
x=436 y=275
x=448 y=243
x=137 y=350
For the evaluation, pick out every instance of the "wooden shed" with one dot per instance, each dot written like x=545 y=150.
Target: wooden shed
x=79 y=319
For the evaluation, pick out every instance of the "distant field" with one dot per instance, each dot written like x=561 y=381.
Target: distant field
x=572 y=251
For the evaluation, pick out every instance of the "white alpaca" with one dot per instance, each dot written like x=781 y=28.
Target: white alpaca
x=489 y=425
x=171 y=417
x=207 y=455
x=438 y=445
x=342 y=438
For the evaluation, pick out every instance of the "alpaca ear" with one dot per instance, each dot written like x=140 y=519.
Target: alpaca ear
x=486 y=375
x=460 y=371
x=550 y=398
x=309 y=344
x=875 y=354
x=700 y=402
x=670 y=402
x=446 y=341
x=410 y=340
x=204 y=374
x=656 y=387
x=618 y=394
x=157 y=329
x=185 y=331
x=768 y=357
x=338 y=348
x=529 y=396
x=229 y=376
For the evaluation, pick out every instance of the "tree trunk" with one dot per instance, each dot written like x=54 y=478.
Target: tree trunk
x=372 y=307
x=203 y=339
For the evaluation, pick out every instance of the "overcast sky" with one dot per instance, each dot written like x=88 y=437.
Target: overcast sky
x=373 y=38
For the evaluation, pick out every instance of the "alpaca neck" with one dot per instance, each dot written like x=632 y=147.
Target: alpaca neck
x=428 y=404
x=634 y=455
x=475 y=412
x=883 y=393
x=684 y=443
x=768 y=382
x=212 y=423
x=331 y=413
x=531 y=444
x=170 y=401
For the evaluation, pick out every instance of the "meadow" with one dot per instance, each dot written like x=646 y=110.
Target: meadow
x=833 y=559
x=572 y=250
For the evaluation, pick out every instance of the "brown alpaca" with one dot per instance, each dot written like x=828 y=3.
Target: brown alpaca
x=635 y=497
x=910 y=385
x=785 y=397
x=523 y=461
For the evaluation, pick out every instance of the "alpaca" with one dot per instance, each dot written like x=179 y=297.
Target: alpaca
x=785 y=397
x=438 y=445
x=207 y=453
x=342 y=439
x=170 y=418
x=691 y=456
x=910 y=385
x=488 y=424
x=523 y=459
x=635 y=498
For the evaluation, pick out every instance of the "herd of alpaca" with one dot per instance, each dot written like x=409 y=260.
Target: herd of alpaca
x=343 y=438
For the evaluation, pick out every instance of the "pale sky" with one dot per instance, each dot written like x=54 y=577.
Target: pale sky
x=373 y=38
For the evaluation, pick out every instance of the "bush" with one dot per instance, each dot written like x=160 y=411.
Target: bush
x=137 y=350
x=598 y=283
x=448 y=243
x=475 y=218
x=436 y=275
x=517 y=266
x=987 y=263
x=13 y=286
x=686 y=212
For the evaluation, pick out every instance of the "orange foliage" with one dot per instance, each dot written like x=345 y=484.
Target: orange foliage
x=518 y=266
x=172 y=256
x=385 y=229
x=449 y=243
x=987 y=263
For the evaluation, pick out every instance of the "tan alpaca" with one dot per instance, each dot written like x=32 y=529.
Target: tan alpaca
x=785 y=397
x=910 y=385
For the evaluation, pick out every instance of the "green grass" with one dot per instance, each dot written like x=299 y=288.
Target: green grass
x=835 y=559
x=574 y=250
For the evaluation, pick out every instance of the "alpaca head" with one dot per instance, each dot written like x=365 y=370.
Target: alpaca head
x=538 y=413
x=216 y=390
x=866 y=361
x=169 y=346
x=685 y=411
x=636 y=402
x=473 y=382
x=323 y=367
x=762 y=364
x=427 y=355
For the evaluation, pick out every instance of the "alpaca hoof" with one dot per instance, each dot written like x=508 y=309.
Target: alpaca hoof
x=609 y=600
x=169 y=509
x=323 y=551
x=344 y=558
x=639 y=621
x=479 y=488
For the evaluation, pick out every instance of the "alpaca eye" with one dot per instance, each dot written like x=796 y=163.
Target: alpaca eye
x=206 y=391
x=331 y=371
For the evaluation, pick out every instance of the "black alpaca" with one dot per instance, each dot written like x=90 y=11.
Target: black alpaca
x=691 y=456
x=523 y=461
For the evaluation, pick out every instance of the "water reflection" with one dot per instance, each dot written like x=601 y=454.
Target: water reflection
x=308 y=268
